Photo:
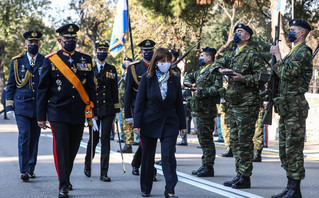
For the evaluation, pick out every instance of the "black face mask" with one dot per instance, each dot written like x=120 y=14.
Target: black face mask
x=69 y=45
x=148 y=55
x=101 y=56
x=33 y=49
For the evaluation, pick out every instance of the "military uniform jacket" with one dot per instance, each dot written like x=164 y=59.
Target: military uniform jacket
x=131 y=86
x=248 y=63
x=23 y=100
x=207 y=81
x=295 y=71
x=58 y=100
x=106 y=90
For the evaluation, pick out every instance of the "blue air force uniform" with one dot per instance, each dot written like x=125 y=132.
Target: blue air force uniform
x=22 y=88
x=60 y=103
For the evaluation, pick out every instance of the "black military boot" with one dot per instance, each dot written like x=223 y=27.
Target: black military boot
x=154 y=174
x=126 y=149
x=135 y=171
x=230 y=183
x=257 y=156
x=294 y=190
x=284 y=191
x=243 y=182
x=194 y=172
x=207 y=171
x=227 y=153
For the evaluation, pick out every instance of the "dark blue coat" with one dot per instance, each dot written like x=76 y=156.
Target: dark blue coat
x=24 y=99
x=131 y=86
x=106 y=90
x=157 y=117
x=58 y=100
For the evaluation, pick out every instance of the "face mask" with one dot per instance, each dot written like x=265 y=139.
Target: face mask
x=69 y=45
x=33 y=49
x=101 y=56
x=163 y=67
x=202 y=62
x=237 y=38
x=292 y=36
x=123 y=66
x=148 y=55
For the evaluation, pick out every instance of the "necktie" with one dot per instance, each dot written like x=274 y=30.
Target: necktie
x=101 y=68
x=32 y=62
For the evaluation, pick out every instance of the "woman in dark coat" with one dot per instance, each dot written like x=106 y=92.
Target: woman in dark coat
x=159 y=114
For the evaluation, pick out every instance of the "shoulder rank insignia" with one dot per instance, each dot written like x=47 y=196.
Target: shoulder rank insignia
x=51 y=54
x=18 y=56
x=84 y=53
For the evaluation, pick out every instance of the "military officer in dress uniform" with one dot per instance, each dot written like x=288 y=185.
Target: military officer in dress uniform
x=25 y=70
x=107 y=104
x=133 y=77
x=66 y=96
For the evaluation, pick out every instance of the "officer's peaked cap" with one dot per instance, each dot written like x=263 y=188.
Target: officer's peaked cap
x=68 y=30
x=101 y=44
x=147 y=44
x=32 y=35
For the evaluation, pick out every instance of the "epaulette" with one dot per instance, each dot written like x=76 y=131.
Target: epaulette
x=51 y=54
x=135 y=62
x=84 y=53
x=18 y=56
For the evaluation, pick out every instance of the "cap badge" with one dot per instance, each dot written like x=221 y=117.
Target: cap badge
x=239 y=26
x=148 y=43
x=294 y=22
x=34 y=34
x=70 y=29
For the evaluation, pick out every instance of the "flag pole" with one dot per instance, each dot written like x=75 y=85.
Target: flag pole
x=130 y=30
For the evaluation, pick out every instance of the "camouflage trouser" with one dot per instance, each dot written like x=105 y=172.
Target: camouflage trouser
x=242 y=129
x=258 y=138
x=127 y=129
x=292 y=130
x=205 y=128
x=224 y=120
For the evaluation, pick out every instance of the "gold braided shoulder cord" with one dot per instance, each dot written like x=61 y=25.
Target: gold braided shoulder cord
x=27 y=78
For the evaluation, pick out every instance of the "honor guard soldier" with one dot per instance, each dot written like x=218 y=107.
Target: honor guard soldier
x=203 y=104
x=132 y=81
x=22 y=86
x=243 y=67
x=107 y=104
x=176 y=70
x=294 y=72
x=66 y=96
x=126 y=127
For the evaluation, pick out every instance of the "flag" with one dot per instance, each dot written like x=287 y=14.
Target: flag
x=120 y=27
x=281 y=5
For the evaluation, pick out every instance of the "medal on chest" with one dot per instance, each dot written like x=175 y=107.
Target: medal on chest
x=59 y=83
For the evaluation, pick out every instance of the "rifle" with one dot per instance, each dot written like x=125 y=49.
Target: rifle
x=272 y=79
x=315 y=53
x=186 y=53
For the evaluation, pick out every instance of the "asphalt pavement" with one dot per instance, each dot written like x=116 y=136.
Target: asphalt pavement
x=268 y=176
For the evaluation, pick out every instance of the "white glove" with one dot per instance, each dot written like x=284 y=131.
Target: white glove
x=10 y=114
x=95 y=127
x=130 y=120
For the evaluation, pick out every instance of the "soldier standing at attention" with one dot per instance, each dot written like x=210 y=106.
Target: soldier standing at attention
x=22 y=86
x=243 y=66
x=65 y=94
x=105 y=79
x=294 y=72
x=258 y=138
x=126 y=127
x=203 y=104
x=132 y=81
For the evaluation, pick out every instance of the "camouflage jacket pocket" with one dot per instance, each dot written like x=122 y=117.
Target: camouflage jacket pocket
x=281 y=106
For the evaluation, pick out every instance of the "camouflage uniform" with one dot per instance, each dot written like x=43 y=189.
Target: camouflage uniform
x=244 y=104
x=294 y=72
x=258 y=138
x=126 y=127
x=203 y=106
x=224 y=117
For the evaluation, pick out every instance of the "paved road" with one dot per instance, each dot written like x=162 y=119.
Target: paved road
x=268 y=177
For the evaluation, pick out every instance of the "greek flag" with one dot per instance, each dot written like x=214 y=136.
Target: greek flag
x=120 y=27
x=281 y=5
